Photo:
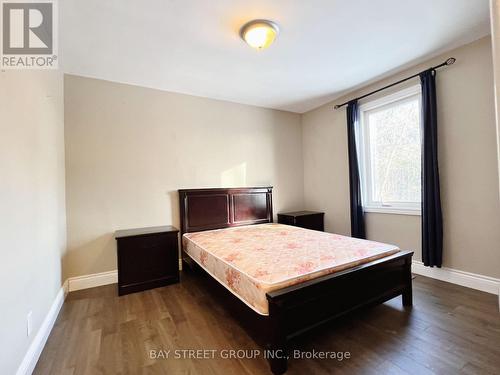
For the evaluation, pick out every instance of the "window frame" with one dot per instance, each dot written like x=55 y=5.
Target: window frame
x=364 y=155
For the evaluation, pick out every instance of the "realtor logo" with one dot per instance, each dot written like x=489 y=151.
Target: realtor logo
x=29 y=34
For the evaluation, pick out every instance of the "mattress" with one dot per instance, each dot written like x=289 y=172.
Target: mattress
x=255 y=259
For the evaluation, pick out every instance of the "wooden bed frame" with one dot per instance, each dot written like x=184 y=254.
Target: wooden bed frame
x=302 y=307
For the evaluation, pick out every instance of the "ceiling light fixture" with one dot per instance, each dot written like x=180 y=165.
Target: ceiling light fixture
x=259 y=34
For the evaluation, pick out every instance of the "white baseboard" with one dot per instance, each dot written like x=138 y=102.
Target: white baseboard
x=92 y=280
x=95 y=279
x=35 y=349
x=66 y=288
x=468 y=279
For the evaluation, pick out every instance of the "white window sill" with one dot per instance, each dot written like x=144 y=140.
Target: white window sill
x=393 y=210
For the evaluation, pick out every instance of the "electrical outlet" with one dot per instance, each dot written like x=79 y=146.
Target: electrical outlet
x=29 y=323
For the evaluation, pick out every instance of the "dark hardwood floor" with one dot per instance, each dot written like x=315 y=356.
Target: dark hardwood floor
x=449 y=330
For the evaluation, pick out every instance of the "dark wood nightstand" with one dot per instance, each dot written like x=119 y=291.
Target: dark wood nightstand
x=305 y=219
x=147 y=258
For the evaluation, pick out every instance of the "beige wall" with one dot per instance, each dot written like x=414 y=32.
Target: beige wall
x=32 y=223
x=128 y=150
x=468 y=165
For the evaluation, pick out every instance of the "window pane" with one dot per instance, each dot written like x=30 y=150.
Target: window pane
x=394 y=134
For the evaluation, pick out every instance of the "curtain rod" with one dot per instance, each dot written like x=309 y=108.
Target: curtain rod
x=449 y=61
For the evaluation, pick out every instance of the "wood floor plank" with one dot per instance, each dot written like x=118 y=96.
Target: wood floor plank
x=450 y=330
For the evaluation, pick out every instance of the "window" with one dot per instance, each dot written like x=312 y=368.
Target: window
x=389 y=148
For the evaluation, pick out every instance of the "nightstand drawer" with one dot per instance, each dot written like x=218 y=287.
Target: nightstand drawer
x=304 y=219
x=314 y=222
x=147 y=260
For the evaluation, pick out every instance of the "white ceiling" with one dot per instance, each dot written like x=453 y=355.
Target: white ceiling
x=325 y=47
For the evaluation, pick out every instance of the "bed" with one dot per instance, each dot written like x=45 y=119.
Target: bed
x=284 y=280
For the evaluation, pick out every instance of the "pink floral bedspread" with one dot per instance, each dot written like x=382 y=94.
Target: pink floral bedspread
x=255 y=259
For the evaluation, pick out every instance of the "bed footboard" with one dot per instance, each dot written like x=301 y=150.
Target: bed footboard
x=302 y=307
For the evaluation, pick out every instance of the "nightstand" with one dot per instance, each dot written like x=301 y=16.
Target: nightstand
x=305 y=219
x=147 y=258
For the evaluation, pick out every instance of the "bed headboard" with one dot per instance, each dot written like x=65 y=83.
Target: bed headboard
x=205 y=209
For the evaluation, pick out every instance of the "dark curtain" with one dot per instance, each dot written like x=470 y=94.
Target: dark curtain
x=432 y=220
x=357 y=220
